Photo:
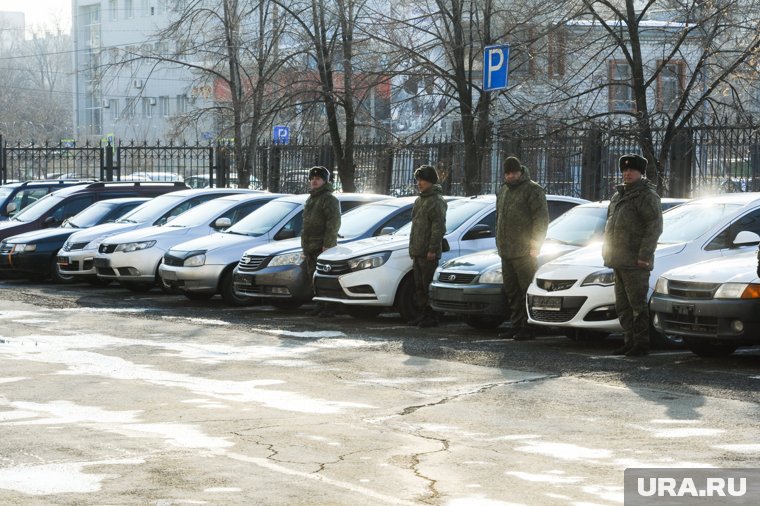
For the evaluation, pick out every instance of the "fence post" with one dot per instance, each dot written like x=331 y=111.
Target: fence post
x=754 y=160
x=591 y=165
x=222 y=166
x=274 y=169
x=3 y=172
x=681 y=151
x=106 y=169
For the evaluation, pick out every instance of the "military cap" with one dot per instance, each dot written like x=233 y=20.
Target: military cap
x=636 y=162
x=512 y=164
x=426 y=173
x=319 y=171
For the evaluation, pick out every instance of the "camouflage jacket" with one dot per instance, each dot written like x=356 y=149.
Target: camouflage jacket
x=428 y=223
x=634 y=223
x=522 y=217
x=321 y=220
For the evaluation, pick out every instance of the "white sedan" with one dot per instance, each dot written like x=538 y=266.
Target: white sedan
x=576 y=291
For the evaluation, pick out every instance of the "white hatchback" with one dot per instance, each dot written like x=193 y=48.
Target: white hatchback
x=576 y=291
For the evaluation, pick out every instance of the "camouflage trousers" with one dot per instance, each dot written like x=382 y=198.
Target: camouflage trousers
x=631 y=287
x=423 y=271
x=517 y=274
x=310 y=261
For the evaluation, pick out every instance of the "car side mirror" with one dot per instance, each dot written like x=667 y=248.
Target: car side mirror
x=285 y=233
x=11 y=208
x=480 y=231
x=386 y=230
x=746 y=238
x=222 y=223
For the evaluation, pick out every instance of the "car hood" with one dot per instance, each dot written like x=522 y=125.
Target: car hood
x=474 y=262
x=741 y=268
x=366 y=246
x=154 y=233
x=553 y=250
x=41 y=235
x=591 y=255
x=275 y=247
x=104 y=230
x=220 y=248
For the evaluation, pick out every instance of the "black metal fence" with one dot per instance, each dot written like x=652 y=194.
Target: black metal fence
x=581 y=163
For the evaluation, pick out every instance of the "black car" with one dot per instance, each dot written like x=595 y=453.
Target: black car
x=16 y=196
x=33 y=254
x=52 y=209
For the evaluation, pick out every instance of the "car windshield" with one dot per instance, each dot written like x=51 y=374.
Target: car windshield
x=356 y=222
x=36 y=210
x=579 y=226
x=151 y=210
x=89 y=217
x=263 y=219
x=457 y=213
x=200 y=214
x=5 y=193
x=689 y=221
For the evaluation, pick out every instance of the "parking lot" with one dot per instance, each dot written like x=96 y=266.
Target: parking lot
x=113 y=397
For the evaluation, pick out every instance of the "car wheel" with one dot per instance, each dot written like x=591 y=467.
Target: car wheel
x=198 y=295
x=483 y=322
x=57 y=276
x=707 y=348
x=227 y=290
x=405 y=299
x=136 y=287
x=286 y=303
x=363 y=312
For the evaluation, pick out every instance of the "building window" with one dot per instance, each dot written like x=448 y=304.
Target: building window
x=113 y=108
x=129 y=9
x=147 y=106
x=556 y=53
x=670 y=85
x=621 y=87
x=164 y=106
x=522 y=60
x=181 y=104
x=129 y=107
x=113 y=10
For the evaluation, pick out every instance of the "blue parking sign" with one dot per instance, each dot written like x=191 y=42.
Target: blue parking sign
x=281 y=135
x=495 y=67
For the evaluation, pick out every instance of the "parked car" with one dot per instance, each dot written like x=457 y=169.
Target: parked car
x=132 y=258
x=472 y=286
x=52 y=209
x=712 y=305
x=203 y=267
x=34 y=254
x=375 y=274
x=204 y=181
x=276 y=271
x=576 y=291
x=16 y=196
x=76 y=257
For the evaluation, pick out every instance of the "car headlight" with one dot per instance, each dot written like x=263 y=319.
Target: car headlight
x=128 y=247
x=287 y=259
x=738 y=291
x=661 y=286
x=23 y=248
x=195 y=260
x=369 y=261
x=605 y=277
x=492 y=276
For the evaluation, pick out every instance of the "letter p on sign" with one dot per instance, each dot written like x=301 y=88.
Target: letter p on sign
x=495 y=67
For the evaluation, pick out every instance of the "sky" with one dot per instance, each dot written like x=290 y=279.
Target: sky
x=46 y=13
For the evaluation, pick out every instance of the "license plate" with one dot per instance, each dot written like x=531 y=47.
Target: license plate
x=102 y=262
x=547 y=303
x=683 y=309
x=449 y=295
x=63 y=261
x=243 y=279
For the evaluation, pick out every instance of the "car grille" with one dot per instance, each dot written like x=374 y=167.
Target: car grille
x=689 y=290
x=328 y=287
x=461 y=306
x=689 y=324
x=570 y=308
x=251 y=263
x=74 y=246
x=553 y=285
x=458 y=278
x=173 y=261
x=330 y=268
x=107 y=248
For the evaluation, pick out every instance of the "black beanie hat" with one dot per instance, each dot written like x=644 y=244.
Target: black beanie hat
x=512 y=164
x=319 y=171
x=636 y=162
x=426 y=173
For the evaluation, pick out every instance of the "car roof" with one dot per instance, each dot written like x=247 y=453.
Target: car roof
x=369 y=197
x=729 y=198
x=124 y=200
x=566 y=198
x=249 y=194
x=115 y=186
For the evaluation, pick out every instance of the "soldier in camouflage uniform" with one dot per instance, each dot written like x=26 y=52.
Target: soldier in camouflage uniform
x=426 y=236
x=634 y=223
x=321 y=221
x=522 y=217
